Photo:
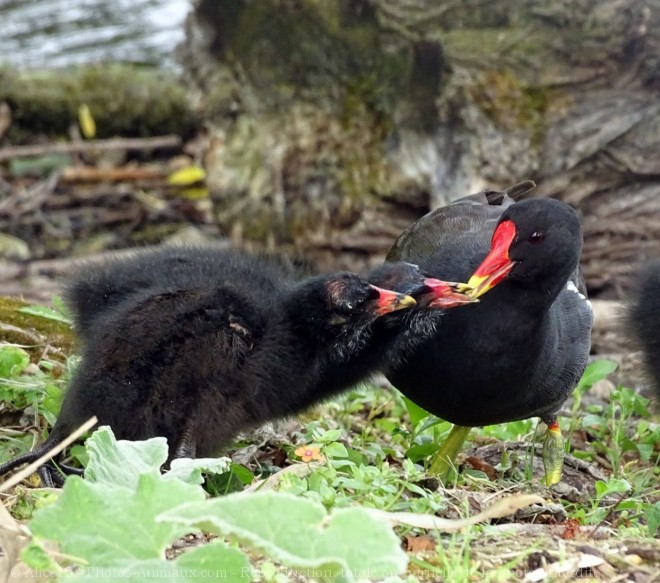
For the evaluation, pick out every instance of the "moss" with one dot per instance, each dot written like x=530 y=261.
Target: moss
x=305 y=50
x=483 y=46
x=35 y=333
x=511 y=104
x=124 y=100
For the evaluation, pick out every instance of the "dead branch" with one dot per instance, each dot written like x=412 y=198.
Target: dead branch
x=11 y=153
x=122 y=174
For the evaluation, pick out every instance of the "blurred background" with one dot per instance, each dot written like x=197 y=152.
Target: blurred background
x=322 y=128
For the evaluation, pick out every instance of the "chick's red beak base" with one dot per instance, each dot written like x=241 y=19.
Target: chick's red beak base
x=389 y=301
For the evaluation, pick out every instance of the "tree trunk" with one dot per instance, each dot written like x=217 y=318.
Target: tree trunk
x=337 y=123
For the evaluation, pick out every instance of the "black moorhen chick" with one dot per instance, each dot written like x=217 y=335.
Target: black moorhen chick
x=521 y=351
x=198 y=363
x=643 y=319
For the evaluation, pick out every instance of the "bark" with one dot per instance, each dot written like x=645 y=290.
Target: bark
x=336 y=123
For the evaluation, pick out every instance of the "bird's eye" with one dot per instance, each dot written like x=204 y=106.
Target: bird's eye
x=536 y=237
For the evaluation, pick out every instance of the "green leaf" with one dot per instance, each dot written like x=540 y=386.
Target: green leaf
x=61 y=307
x=329 y=436
x=419 y=452
x=430 y=421
x=39 y=165
x=645 y=451
x=415 y=412
x=52 y=402
x=335 y=449
x=652 y=516
x=214 y=561
x=102 y=523
x=228 y=564
x=190 y=470
x=612 y=486
x=13 y=361
x=242 y=473
x=595 y=371
x=300 y=533
x=45 y=312
x=121 y=463
x=36 y=557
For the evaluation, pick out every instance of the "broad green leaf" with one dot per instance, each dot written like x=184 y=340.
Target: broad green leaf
x=13 y=361
x=52 y=402
x=595 y=371
x=103 y=524
x=612 y=486
x=190 y=471
x=335 y=449
x=329 y=436
x=421 y=451
x=45 y=312
x=652 y=516
x=213 y=561
x=36 y=557
x=231 y=563
x=415 y=412
x=121 y=462
x=300 y=533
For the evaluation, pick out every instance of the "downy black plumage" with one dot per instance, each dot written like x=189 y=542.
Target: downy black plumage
x=643 y=321
x=208 y=348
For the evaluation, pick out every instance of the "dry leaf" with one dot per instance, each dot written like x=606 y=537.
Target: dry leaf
x=186 y=176
x=12 y=537
x=86 y=122
x=418 y=544
x=482 y=466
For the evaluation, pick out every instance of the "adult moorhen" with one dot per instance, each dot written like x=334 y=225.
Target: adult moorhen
x=518 y=353
x=643 y=319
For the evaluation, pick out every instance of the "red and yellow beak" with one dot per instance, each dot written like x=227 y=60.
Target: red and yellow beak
x=447 y=294
x=389 y=301
x=497 y=264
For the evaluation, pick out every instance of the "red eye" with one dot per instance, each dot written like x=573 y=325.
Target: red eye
x=536 y=237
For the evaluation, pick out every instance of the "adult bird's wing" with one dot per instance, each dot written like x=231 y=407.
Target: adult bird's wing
x=464 y=215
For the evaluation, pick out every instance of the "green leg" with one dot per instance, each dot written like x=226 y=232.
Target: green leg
x=443 y=460
x=553 y=453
